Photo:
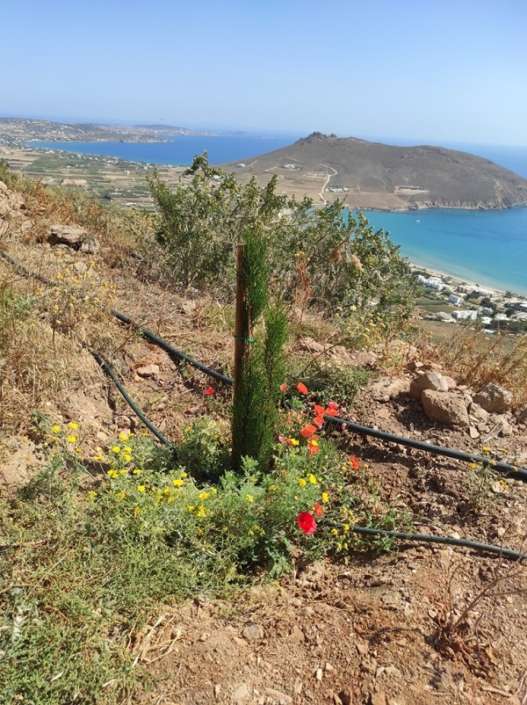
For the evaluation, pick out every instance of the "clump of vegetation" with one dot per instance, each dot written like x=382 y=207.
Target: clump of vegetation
x=92 y=556
x=326 y=258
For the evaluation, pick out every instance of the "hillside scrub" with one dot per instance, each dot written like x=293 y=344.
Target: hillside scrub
x=97 y=543
x=324 y=258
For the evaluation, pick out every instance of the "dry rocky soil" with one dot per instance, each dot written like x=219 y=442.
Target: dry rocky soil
x=370 y=631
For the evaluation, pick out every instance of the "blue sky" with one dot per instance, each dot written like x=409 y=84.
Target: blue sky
x=453 y=70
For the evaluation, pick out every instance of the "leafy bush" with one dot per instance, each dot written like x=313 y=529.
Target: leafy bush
x=323 y=257
x=90 y=558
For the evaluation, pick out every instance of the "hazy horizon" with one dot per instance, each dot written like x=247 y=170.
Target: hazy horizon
x=451 y=72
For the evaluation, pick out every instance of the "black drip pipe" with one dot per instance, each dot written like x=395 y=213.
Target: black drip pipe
x=108 y=369
x=508 y=553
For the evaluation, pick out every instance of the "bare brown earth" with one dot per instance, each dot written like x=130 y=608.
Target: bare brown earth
x=361 y=632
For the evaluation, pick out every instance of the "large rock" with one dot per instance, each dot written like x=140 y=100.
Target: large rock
x=428 y=380
x=72 y=236
x=494 y=399
x=445 y=407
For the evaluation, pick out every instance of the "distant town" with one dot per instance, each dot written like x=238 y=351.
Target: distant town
x=448 y=299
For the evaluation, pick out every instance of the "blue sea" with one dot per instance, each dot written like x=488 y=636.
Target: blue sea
x=489 y=247
x=180 y=151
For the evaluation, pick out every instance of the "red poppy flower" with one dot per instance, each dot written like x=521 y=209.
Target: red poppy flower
x=283 y=387
x=354 y=462
x=306 y=523
x=308 y=430
x=332 y=408
x=301 y=388
x=319 y=410
x=318 y=421
x=318 y=509
x=209 y=392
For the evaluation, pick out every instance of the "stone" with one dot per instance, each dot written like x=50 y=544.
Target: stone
x=275 y=697
x=428 y=380
x=445 y=407
x=89 y=246
x=522 y=416
x=73 y=236
x=148 y=370
x=494 y=398
x=474 y=433
x=477 y=413
x=253 y=632
x=502 y=425
x=387 y=388
x=241 y=694
x=18 y=462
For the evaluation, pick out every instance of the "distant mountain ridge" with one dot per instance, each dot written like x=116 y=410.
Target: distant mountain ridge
x=374 y=175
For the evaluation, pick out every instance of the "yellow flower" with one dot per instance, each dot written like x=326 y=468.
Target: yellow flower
x=203 y=495
x=136 y=471
x=119 y=496
x=190 y=508
x=124 y=436
x=113 y=473
x=137 y=510
x=99 y=458
x=123 y=472
x=141 y=488
x=116 y=449
x=72 y=439
x=127 y=458
x=249 y=498
x=473 y=466
x=294 y=441
x=486 y=449
x=325 y=497
x=183 y=475
x=202 y=511
x=335 y=532
x=73 y=426
x=56 y=428
x=178 y=483
x=91 y=495
x=127 y=449
x=312 y=479
x=302 y=482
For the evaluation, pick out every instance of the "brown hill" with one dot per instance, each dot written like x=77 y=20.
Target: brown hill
x=374 y=175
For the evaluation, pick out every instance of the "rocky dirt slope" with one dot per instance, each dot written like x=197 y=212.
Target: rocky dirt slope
x=371 y=631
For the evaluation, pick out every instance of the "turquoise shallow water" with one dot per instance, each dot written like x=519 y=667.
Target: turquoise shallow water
x=489 y=247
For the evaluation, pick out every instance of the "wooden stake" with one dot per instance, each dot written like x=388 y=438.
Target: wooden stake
x=241 y=336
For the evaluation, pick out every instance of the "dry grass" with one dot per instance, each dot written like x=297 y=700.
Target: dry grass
x=475 y=359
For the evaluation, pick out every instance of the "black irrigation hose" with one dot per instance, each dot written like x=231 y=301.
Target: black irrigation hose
x=503 y=468
x=108 y=369
x=172 y=352
x=363 y=430
x=500 y=467
x=508 y=553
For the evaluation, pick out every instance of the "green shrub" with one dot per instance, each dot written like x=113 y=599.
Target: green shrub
x=259 y=365
x=324 y=257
